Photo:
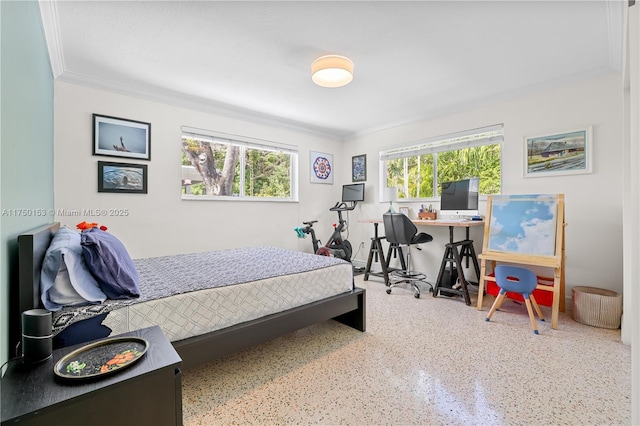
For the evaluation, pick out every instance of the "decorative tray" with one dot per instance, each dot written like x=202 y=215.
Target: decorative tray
x=101 y=358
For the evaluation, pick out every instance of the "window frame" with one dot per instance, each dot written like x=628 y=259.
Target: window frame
x=483 y=136
x=244 y=143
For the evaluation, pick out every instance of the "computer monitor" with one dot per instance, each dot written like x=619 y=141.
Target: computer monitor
x=460 y=198
x=353 y=192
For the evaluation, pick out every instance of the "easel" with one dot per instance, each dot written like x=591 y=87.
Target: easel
x=553 y=260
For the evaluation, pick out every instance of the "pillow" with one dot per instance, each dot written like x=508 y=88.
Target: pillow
x=110 y=264
x=65 y=279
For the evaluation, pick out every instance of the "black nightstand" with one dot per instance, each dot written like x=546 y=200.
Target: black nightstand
x=146 y=393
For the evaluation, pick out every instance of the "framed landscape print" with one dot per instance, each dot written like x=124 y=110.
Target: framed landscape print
x=119 y=137
x=122 y=177
x=565 y=153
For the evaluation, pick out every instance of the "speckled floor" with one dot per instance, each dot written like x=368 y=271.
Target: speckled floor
x=421 y=362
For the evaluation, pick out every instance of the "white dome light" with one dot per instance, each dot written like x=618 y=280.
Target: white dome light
x=332 y=71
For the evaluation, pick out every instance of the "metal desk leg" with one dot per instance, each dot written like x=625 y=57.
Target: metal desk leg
x=454 y=258
x=376 y=253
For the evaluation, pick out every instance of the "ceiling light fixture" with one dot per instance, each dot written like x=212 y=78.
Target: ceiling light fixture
x=332 y=71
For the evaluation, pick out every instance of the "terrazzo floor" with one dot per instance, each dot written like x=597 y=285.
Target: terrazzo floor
x=421 y=362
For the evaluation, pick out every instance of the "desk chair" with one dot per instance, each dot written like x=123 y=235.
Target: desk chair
x=518 y=280
x=399 y=230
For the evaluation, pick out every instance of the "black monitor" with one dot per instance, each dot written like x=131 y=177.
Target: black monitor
x=460 y=198
x=353 y=192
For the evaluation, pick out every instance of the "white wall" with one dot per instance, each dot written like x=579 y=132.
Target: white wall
x=593 y=201
x=160 y=222
x=26 y=164
x=631 y=205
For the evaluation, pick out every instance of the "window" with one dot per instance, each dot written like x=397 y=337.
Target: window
x=418 y=169
x=218 y=166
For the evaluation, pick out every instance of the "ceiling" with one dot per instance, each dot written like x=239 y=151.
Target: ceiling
x=252 y=60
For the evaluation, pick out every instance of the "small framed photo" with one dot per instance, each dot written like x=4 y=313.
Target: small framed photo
x=122 y=177
x=359 y=168
x=555 y=154
x=119 y=137
x=404 y=210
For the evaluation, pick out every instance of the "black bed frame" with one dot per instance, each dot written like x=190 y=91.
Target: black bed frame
x=347 y=308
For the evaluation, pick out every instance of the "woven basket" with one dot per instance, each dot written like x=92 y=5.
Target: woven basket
x=596 y=307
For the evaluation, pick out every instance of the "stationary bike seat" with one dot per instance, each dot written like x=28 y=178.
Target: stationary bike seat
x=310 y=222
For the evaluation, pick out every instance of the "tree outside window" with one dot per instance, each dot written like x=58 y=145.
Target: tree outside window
x=215 y=168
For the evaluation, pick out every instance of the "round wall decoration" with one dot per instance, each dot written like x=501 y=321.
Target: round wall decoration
x=321 y=167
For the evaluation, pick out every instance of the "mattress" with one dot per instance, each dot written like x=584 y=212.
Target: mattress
x=192 y=294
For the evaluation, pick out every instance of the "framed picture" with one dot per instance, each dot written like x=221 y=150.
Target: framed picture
x=118 y=137
x=566 y=153
x=359 y=168
x=321 y=167
x=404 y=210
x=122 y=177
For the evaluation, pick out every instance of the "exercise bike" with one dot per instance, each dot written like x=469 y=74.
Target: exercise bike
x=335 y=246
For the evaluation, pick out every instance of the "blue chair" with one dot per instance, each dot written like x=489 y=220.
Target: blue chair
x=517 y=280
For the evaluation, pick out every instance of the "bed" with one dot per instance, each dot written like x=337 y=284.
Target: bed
x=206 y=341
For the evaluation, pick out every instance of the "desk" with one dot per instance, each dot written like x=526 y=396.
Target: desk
x=455 y=251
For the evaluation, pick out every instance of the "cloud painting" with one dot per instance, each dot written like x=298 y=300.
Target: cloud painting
x=524 y=224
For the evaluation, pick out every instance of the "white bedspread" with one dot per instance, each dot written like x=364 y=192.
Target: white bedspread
x=192 y=294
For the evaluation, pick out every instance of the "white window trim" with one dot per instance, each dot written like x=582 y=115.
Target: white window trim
x=465 y=139
x=488 y=135
x=238 y=140
x=245 y=142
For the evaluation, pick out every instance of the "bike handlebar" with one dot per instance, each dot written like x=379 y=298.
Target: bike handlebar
x=342 y=206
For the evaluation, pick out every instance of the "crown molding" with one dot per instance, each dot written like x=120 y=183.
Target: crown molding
x=50 y=20
x=49 y=16
x=165 y=96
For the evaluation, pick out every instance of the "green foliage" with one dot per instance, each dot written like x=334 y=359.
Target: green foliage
x=415 y=174
x=480 y=161
x=196 y=189
x=266 y=173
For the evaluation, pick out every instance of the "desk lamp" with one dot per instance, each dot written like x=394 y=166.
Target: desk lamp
x=390 y=194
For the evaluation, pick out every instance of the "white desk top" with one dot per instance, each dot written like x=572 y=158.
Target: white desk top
x=448 y=222
x=435 y=222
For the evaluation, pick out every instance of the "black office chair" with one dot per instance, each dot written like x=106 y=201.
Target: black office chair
x=399 y=230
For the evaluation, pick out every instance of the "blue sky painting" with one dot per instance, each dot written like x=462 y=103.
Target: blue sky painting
x=523 y=224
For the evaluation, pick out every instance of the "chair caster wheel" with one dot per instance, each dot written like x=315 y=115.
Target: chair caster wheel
x=388 y=291
x=417 y=295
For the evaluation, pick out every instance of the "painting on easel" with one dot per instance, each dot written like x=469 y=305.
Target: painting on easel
x=524 y=224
